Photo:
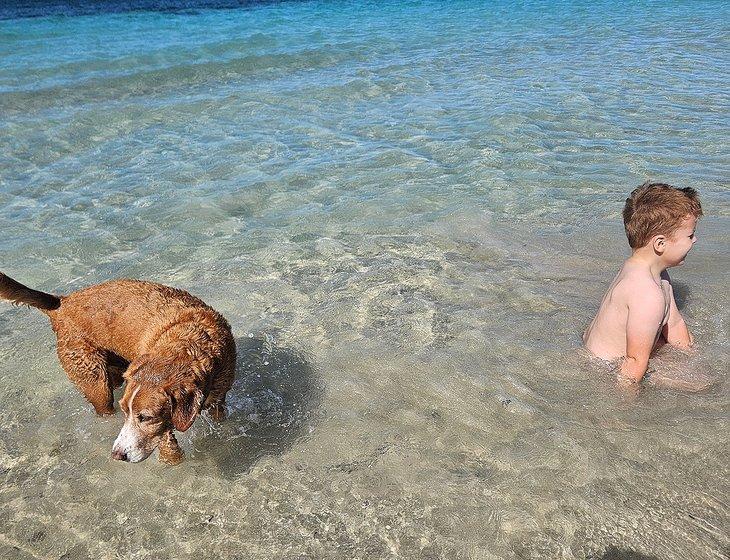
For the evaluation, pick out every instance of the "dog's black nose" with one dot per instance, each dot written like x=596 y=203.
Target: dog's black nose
x=119 y=455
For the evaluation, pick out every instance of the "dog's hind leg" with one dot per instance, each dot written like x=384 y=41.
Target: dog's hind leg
x=86 y=366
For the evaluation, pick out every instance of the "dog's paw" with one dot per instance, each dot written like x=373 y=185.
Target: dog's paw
x=170 y=452
x=172 y=458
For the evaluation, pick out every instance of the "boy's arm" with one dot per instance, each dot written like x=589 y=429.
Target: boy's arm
x=645 y=314
x=675 y=332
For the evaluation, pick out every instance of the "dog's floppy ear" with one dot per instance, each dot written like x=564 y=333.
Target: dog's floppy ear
x=185 y=402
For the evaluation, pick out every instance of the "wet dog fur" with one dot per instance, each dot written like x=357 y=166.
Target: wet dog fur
x=176 y=354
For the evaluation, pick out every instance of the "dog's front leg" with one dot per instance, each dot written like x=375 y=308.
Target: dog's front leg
x=170 y=452
x=217 y=411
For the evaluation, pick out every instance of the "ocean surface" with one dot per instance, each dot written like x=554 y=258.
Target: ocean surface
x=409 y=212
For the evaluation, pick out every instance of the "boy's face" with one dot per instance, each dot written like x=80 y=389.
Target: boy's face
x=680 y=242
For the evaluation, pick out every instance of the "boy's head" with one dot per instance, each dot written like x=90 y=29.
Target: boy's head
x=658 y=209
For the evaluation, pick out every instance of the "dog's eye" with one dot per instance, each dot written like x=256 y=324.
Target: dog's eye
x=144 y=418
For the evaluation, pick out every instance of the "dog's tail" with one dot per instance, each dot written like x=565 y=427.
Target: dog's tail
x=19 y=294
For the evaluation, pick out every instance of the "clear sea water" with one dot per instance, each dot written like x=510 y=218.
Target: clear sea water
x=409 y=212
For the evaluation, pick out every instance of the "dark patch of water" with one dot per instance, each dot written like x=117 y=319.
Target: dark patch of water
x=14 y=9
x=270 y=407
x=614 y=553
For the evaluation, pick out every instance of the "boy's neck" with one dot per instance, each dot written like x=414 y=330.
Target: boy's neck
x=647 y=258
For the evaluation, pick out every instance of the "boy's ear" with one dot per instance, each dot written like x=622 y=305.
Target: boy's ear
x=659 y=243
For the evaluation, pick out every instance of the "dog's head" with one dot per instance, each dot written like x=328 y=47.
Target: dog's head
x=158 y=397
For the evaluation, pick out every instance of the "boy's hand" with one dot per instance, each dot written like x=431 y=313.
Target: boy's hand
x=629 y=389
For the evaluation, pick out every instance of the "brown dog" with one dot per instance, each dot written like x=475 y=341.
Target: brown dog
x=179 y=356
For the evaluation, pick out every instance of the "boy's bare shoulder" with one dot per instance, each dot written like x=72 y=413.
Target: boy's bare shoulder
x=638 y=285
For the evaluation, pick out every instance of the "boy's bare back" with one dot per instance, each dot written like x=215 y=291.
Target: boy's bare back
x=634 y=296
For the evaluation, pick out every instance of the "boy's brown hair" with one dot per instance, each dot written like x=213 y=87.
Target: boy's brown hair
x=658 y=209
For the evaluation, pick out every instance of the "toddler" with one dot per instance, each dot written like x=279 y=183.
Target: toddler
x=638 y=313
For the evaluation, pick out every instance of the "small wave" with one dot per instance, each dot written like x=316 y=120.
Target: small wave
x=156 y=82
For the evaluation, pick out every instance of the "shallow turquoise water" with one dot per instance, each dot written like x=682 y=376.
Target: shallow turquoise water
x=408 y=212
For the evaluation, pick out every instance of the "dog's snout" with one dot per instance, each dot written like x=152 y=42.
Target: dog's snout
x=120 y=455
